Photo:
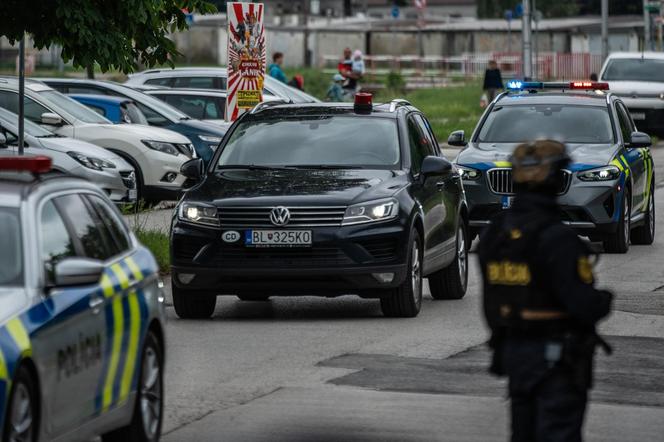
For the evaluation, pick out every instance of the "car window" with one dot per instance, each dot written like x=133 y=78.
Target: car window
x=94 y=237
x=132 y=114
x=152 y=117
x=116 y=229
x=634 y=69
x=194 y=82
x=72 y=107
x=420 y=147
x=55 y=240
x=626 y=128
x=427 y=136
x=87 y=90
x=33 y=110
x=100 y=110
x=11 y=260
x=159 y=81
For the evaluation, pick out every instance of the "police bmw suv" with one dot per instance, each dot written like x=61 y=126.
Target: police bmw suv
x=322 y=199
x=607 y=193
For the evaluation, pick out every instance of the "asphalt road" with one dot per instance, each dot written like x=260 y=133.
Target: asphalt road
x=315 y=369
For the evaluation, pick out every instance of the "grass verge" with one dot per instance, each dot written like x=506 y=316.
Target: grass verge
x=157 y=242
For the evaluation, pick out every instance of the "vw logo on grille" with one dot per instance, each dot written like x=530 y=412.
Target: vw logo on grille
x=279 y=216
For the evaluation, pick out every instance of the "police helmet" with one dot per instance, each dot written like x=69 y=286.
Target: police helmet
x=537 y=166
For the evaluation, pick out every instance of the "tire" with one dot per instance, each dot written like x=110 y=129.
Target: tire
x=645 y=234
x=618 y=242
x=22 y=418
x=190 y=304
x=405 y=301
x=248 y=297
x=148 y=412
x=452 y=281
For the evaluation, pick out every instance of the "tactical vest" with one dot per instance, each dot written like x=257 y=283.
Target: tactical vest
x=515 y=296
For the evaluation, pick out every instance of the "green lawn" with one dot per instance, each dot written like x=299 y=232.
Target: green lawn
x=157 y=242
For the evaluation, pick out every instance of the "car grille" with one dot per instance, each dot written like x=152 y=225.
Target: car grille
x=500 y=181
x=239 y=217
x=128 y=179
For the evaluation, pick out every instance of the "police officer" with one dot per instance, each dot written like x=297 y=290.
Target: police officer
x=540 y=301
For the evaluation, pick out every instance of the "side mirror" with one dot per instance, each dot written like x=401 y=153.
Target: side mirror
x=435 y=166
x=457 y=138
x=77 y=271
x=193 y=169
x=51 y=119
x=639 y=139
x=3 y=140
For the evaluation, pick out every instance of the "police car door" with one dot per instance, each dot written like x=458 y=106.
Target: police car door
x=635 y=158
x=71 y=341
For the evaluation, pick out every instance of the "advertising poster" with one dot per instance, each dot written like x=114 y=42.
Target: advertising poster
x=247 y=58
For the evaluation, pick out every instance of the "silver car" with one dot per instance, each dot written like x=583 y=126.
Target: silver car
x=79 y=158
x=81 y=313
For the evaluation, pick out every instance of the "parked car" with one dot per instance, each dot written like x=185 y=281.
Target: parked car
x=203 y=135
x=78 y=158
x=155 y=154
x=212 y=78
x=203 y=104
x=116 y=109
x=638 y=79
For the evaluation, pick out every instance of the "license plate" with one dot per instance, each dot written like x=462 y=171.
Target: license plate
x=507 y=202
x=638 y=115
x=277 y=238
x=132 y=194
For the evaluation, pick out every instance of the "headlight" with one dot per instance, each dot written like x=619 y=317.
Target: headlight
x=468 y=173
x=91 y=162
x=162 y=147
x=199 y=214
x=371 y=211
x=606 y=173
x=210 y=139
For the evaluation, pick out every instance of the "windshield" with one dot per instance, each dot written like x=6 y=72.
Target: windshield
x=31 y=128
x=11 y=258
x=278 y=89
x=151 y=103
x=132 y=114
x=571 y=124
x=634 y=69
x=314 y=141
x=72 y=107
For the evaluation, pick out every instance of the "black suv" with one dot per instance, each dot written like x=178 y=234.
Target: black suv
x=322 y=199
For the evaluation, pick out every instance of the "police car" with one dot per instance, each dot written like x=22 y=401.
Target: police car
x=608 y=190
x=81 y=313
x=322 y=199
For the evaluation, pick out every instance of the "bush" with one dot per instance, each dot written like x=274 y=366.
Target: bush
x=158 y=243
x=395 y=82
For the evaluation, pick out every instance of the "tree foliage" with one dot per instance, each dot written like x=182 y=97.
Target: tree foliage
x=557 y=8
x=115 y=34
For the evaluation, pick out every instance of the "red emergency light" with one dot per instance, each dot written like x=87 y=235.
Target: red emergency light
x=34 y=164
x=589 y=85
x=363 y=102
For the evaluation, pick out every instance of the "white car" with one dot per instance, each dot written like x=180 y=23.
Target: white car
x=638 y=78
x=156 y=154
x=79 y=158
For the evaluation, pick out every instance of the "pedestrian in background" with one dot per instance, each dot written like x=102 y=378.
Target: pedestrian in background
x=275 y=70
x=493 y=81
x=540 y=302
x=335 y=92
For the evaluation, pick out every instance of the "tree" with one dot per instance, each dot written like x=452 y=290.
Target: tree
x=558 y=8
x=115 y=34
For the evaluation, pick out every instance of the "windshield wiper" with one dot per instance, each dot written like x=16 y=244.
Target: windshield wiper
x=323 y=166
x=249 y=167
x=50 y=136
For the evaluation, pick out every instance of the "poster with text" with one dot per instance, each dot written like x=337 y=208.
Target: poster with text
x=247 y=58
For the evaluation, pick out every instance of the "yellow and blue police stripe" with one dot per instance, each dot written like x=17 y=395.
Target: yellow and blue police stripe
x=14 y=345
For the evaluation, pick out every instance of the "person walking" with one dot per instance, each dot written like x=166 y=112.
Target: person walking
x=493 y=81
x=335 y=92
x=275 y=70
x=540 y=301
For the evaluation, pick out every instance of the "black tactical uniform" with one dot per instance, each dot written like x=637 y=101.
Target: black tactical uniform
x=540 y=302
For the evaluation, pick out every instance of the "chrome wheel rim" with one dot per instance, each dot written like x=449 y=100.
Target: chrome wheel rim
x=151 y=393
x=462 y=255
x=21 y=415
x=416 y=273
x=626 y=216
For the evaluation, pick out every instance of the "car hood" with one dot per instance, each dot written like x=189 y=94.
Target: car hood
x=12 y=300
x=66 y=144
x=636 y=88
x=205 y=127
x=485 y=156
x=108 y=131
x=298 y=187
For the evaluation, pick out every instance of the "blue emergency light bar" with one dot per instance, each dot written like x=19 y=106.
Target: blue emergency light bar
x=519 y=85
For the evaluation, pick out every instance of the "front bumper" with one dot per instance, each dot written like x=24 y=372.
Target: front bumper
x=119 y=185
x=588 y=207
x=341 y=260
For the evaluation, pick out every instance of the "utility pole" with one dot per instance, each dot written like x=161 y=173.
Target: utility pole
x=307 y=54
x=646 y=27
x=21 y=92
x=605 y=29
x=535 y=15
x=526 y=41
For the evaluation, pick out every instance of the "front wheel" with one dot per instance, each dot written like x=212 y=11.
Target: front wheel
x=22 y=419
x=405 y=301
x=148 y=413
x=618 y=242
x=190 y=304
x=452 y=281
x=645 y=234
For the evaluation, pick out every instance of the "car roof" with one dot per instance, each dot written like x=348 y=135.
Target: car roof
x=105 y=98
x=175 y=91
x=17 y=186
x=647 y=54
x=193 y=70
x=575 y=98
x=385 y=110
